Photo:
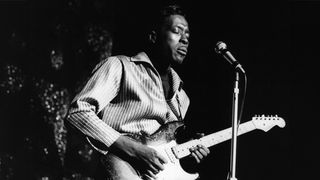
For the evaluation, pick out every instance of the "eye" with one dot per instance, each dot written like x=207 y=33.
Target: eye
x=176 y=30
x=187 y=35
x=180 y=31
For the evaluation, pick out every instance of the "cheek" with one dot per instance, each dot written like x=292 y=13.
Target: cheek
x=173 y=40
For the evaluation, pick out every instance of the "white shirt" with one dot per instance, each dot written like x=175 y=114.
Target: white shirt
x=125 y=95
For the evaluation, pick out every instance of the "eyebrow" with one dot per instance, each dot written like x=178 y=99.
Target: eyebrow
x=183 y=27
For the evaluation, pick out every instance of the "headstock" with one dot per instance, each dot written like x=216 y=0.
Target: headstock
x=265 y=123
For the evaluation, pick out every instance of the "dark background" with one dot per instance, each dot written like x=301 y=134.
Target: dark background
x=276 y=43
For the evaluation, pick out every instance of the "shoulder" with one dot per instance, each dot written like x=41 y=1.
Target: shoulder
x=112 y=62
x=123 y=61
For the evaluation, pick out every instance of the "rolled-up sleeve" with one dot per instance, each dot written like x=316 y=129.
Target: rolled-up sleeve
x=101 y=88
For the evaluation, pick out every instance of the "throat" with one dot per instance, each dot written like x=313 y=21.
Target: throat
x=166 y=84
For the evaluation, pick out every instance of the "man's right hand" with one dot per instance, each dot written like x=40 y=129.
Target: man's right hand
x=150 y=162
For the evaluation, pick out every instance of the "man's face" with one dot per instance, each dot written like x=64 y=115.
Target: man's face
x=175 y=39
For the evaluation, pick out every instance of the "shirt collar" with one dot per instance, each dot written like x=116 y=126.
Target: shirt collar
x=141 y=57
x=177 y=83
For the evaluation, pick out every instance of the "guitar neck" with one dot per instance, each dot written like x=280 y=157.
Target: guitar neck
x=224 y=135
x=182 y=150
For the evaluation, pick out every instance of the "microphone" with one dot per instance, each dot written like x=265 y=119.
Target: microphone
x=221 y=48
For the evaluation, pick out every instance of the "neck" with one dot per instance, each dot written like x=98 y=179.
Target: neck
x=161 y=64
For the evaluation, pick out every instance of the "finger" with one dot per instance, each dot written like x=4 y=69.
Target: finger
x=159 y=161
x=203 y=150
x=199 y=135
x=197 y=152
x=157 y=165
x=146 y=176
x=162 y=159
x=153 y=169
x=195 y=157
x=151 y=175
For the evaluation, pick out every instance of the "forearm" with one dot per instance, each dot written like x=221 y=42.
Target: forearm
x=90 y=124
x=124 y=146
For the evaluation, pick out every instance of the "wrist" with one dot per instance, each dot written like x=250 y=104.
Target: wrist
x=123 y=145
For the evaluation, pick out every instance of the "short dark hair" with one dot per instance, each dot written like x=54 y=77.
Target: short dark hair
x=157 y=18
x=164 y=12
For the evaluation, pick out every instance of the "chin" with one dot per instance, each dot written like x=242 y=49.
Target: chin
x=177 y=62
x=179 y=59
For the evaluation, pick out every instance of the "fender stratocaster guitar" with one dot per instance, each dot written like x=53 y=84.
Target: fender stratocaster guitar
x=164 y=143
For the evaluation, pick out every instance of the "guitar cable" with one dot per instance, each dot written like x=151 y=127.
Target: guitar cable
x=243 y=98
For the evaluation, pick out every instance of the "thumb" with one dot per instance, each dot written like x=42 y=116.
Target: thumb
x=199 y=135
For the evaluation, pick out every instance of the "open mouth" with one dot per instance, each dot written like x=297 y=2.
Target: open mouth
x=182 y=51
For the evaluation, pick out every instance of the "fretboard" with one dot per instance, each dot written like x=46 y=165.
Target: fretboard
x=182 y=150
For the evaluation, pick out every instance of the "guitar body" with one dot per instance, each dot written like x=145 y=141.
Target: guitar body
x=162 y=141
x=121 y=169
x=172 y=170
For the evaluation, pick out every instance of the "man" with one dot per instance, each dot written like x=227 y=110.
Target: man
x=129 y=97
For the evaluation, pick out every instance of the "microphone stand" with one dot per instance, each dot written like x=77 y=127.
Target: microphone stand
x=221 y=48
x=232 y=175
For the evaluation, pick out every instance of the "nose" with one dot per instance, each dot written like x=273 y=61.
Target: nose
x=184 y=39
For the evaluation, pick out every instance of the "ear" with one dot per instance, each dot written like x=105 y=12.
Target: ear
x=152 y=37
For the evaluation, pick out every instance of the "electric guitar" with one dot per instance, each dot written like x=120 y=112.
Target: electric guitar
x=163 y=141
